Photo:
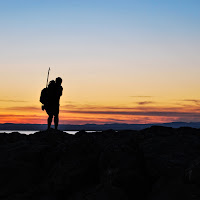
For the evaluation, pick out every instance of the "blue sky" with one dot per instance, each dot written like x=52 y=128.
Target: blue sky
x=106 y=51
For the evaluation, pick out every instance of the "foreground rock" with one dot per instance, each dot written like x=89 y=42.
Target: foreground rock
x=155 y=163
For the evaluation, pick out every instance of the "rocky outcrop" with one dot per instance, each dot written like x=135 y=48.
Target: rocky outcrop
x=154 y=163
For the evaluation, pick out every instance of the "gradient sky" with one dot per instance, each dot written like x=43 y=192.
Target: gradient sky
x=124 y=61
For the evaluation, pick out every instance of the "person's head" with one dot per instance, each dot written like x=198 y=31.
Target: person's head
x=58 y=80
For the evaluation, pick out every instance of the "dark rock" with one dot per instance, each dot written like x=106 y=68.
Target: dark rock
x=154 y=163
x=192 y=173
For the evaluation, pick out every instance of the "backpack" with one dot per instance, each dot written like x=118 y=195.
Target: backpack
x=44 y=96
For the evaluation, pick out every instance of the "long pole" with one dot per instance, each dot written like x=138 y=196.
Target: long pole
x=47 y=77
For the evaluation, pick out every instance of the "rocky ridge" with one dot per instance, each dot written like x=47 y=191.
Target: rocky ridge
x=156 y=163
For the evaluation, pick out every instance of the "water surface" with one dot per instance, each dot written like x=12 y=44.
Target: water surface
x=31 y=132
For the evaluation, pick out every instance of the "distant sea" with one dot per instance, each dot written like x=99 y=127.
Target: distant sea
x=31 y=132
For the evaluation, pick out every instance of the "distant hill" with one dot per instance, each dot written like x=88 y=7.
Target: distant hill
x=96 y=127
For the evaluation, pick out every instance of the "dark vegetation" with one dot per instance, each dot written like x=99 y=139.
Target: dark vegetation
x=154 y=163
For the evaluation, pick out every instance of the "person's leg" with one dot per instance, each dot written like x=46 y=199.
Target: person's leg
x=50 y=120
x=56 y=121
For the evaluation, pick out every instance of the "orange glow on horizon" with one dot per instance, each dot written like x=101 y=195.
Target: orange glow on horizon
x=79 y=114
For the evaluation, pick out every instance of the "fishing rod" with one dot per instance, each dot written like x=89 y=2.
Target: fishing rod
x=48 y=77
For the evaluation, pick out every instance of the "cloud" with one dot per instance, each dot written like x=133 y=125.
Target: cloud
x=144 y=108
x=21 y=118
x=145 y=102
x=102 y=108
x=70 y=102
x=141 y=96
x=142 y=113
x=12 y=100
x=16 y=115
x=11 y=115
x=196 y=101
x=24 y=108
x=139 y=108
x=69 y=106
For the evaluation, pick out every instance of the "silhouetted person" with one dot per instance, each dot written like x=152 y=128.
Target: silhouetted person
x=52 y=106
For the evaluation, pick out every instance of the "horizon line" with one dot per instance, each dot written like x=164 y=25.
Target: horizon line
x=101 y=124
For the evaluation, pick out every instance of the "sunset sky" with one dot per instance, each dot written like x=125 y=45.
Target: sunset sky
x=121 y=61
